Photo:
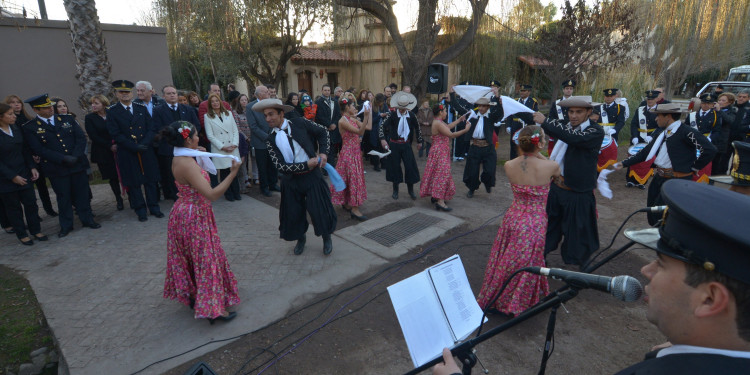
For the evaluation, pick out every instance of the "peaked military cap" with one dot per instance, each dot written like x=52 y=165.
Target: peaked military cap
x=123 y=85
x=740 y=171
x=465 y=83
x=495 y=82
x=708 y=98
x=569 y=82
x=707 y=232
x=526 y=87
x=40 y=101
x=652 y=94
x=610 y=92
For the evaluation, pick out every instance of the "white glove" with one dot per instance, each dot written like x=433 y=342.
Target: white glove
x=634 y=141
x=507 y=130
x=648 y=139
x=611 y=131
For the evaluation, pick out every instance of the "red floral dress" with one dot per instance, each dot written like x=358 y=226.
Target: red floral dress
x=437 y=180
x=351 y=170
x=196 y=264
x=519 y=243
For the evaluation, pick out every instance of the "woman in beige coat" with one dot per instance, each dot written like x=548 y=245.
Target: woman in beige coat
x=222 y=132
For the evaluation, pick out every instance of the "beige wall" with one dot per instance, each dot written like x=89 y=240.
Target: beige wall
x=39 y=58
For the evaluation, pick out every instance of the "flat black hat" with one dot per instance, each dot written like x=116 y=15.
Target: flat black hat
x=123 y=85
x=526 y=87
x=708 y=98
x=705 y=225
x=610 y=92
x=569 y=82
x=652 y=94
x=495 y=82
x=40 y=101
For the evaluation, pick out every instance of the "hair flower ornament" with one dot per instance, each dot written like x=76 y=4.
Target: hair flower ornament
x=535 y=138
x=185 y=131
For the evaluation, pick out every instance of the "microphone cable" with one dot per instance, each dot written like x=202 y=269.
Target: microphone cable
x=614 y=236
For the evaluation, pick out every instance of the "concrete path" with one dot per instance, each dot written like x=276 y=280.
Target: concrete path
x=101 y=290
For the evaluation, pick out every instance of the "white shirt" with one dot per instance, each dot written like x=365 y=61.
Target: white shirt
x=49 y=121
x=690 y=349
x=300 y=156
x=662 y=158
x=128 y=107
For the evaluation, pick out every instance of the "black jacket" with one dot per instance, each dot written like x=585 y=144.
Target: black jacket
x=635 y=123
x=15 y=160
x=582 y=153
x=323 y=116
x=53 y=143
x=690 y=364
x=615 y=116
x=163 y=116
x=309 y=135
x=389 y=126
x=681 y=148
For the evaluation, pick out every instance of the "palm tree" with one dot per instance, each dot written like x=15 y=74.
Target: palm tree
x=92 y=64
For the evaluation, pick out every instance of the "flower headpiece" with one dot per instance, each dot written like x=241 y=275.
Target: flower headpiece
x=185 y=130
x=345 y=101
x=535 y=138
x=441 y=107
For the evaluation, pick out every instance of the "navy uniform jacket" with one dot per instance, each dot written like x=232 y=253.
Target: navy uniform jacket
x=681 y=148
x=130 y=130
x=635 y=123
x=52 y=143
x=554 y=111
x=528 y=118
x=582 y=153
x=389 y=127
x=615 y=116
x=163 y=116
x=711 y=124
x=689 y=364
x=15 y=160
x=307 y=134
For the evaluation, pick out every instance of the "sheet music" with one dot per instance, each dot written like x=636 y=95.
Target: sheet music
x=457 y=300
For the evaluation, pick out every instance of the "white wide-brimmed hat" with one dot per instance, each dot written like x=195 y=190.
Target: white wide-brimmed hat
x=583 y=101
x=403 y=100
x=271 y=103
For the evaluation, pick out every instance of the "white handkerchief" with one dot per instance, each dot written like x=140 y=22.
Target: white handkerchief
x=365 y=106
x=379 y=154
x=511 y=107
x=602 y=185
x=203 y=158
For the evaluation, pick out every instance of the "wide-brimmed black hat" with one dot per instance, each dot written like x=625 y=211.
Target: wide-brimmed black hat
x=40 y=101
x=704 y=225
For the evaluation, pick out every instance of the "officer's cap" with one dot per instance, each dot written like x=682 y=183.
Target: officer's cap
x=652 y=94
x=569 y=82
x=495 y=82
x=123 y=85
x=526 y=87
x=610 y=92
x=708 y=98
x=40 y=101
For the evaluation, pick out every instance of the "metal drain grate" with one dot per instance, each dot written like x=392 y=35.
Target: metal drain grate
x=397 y=231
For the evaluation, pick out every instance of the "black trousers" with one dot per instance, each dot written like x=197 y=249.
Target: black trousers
x=41 y=187
x=267 y=174
x=139 y=204
x=18 y=204
x=514 y=127
x=486 y=157
x=234 y=187
x=393 y=173
x=654 y=196
x=304 y=194
x=168 y=188
x=71 y=190
x=4 y=221
x=462 y=141
x=571 y=215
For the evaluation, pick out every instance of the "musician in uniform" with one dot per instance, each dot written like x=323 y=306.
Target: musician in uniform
x=559 y=113
x=462 y=142
x=133 y=131
x=673 y=149
x=61 y=145
x=708 y=122
x=641 y=127
x=571 y=206
x=397 y=132
x=291 y=147
x=739 y=174
x=610 y=115
x=519 y=121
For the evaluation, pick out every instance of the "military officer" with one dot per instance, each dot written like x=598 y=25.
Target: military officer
x=520 y=120
x=642 y=126
x=133 y=131
x=60 y=143
x=610 y=113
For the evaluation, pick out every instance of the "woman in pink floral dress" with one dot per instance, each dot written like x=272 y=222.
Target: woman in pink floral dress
x=198 y=273
x=437 y=180
x=349 y=164
x=520 y=239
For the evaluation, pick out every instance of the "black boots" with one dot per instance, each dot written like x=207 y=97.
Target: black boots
x=410 y=189
x=327 y=244
x=300 y=247
x=395 y=191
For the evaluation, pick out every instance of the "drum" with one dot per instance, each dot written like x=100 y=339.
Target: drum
x=606 y=142
x=634 y=149
x=607 y=153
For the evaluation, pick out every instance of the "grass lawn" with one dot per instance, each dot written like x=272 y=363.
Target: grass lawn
x=22 y=324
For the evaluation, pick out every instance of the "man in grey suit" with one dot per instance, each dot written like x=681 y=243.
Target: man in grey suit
x=267 y=173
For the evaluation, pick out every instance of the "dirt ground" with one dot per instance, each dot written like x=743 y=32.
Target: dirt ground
x=354 y=330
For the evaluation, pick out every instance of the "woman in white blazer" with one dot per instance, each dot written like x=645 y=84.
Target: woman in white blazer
x=221 y=130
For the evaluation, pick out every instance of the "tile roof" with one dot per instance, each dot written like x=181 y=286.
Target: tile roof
x=316 y=54
x=535 y=62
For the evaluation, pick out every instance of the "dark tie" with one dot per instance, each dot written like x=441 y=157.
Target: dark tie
x=128 y=109
x=289 y=138
x=49 y=121
x=175 y=114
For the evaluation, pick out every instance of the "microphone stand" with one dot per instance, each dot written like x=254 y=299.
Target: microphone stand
x=464 y=351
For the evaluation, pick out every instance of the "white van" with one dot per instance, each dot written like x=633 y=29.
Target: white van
x=739 y=73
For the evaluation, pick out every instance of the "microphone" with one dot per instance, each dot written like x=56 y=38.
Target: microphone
x=654 y=209
x=624 y=288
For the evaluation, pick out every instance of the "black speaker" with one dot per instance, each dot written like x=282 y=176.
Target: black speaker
x=437 y=78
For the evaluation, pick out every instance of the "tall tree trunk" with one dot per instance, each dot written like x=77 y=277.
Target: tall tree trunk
x=92 y=64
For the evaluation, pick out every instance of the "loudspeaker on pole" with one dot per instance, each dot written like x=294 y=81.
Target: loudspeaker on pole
x=437 y=78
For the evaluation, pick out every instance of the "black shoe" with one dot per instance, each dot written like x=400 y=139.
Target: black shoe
x=470 y=194
x=275 y=188
x=120 y=205
x=641 y=186
x=237 y=197
x=360 y=218
x=224 y=318
x=192 y=303
x=442 y=208
x=377 y=169
x=28 y=242
x=395 y=194
x=629 y=184
x=51 y=212
x=9 y=230
x=346 y=209
x=142 y=218
x=266 y=192
x=300 y=246
x=93 y=225
x=158 y=214
x=64 y=232
x=488 y=188
x=412 y=195
x=433 y=200
x=229 y=198
x=40 y=237
x=327 y=245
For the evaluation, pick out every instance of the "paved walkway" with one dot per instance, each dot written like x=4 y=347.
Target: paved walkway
x=101 y=290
